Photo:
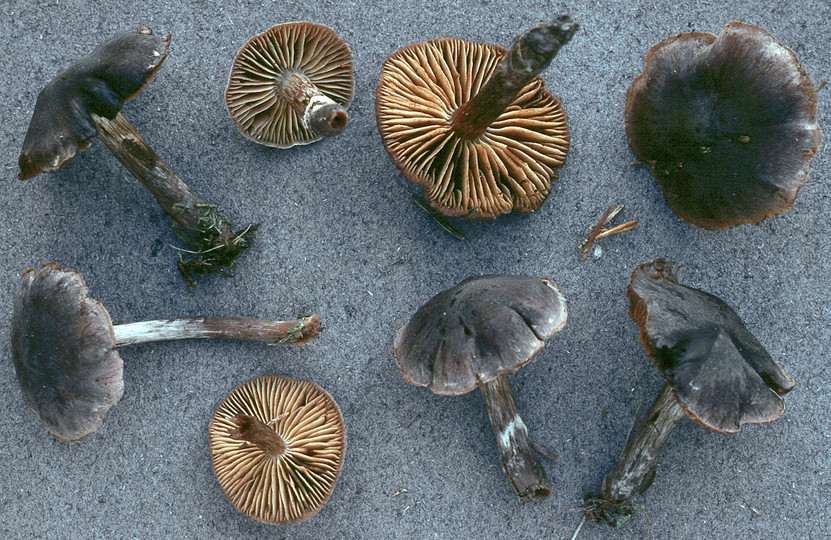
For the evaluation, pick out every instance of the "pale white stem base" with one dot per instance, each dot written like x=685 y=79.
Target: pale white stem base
x=297 y=331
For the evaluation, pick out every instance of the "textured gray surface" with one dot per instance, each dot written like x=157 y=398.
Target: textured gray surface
x=340 y=237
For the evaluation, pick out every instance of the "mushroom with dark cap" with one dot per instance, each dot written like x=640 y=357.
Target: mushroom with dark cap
x=717 y=373
x=277 y=447
x=473 y=123
x=475 y=334
x=291 y=85
x=63 y=347
x=728 y=124
x=85 y=100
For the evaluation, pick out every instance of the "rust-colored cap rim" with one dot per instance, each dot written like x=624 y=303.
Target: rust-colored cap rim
x=763 y=169
x=719 y=373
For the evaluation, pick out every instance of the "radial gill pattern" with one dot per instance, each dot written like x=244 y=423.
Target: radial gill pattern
x=509 y=167
x=253 y=97
x=295 y=485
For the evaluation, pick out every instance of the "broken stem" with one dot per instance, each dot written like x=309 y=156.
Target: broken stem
x=298 y=332
x=611 y=215
x=530 y=54
x=516 y=450
x=254 y=431
x=214 y=244
x=319 y=112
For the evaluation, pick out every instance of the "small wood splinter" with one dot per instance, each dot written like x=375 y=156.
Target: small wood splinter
x=438 y=217
x=599 y=231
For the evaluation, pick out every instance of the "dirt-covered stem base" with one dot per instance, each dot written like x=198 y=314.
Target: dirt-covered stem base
x=635 y=469
x=213 y=246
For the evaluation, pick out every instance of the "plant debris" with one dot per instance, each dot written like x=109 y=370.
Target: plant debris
x=599 y=230
x=439 y=217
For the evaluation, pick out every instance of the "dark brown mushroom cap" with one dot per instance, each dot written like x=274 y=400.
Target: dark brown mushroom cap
x=481 y=328
x=100 y=83
x=63 y=351
x=295 y=485
x=255 y=104
x=728 y=124
x=509 y=167
x=719 y=372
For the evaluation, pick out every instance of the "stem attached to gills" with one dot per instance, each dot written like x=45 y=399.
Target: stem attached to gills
x=530 y=54
x=519 y=457
x=214 y=246
x=635 y=469
x=298 y=332
x=319 y=112
x=253 y=431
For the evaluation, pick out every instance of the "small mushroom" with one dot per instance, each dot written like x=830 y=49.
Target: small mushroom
x=717 y=373
x=475 y=334
x=475 y=125
x=277 y=447
x=727 y=123
x=84 y=101
x=291 y=85
x=63 y=347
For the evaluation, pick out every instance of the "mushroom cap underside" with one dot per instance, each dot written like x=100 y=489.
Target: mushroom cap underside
x=728 y=123
x=509 y=167
x=484 y=327
x=255 y=103
x=719 y=372
x=63 y=352
x=294 y=486
x=100 y=83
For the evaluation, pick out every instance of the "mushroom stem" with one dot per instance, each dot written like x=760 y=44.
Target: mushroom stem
x=530 y=54
x=635 y=469
x=300 y=331
x=215 y=246
x=519 y=457
x=319 y=112
x=254 y=431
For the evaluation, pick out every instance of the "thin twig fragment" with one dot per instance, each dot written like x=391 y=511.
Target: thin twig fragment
x=544 y=452
x=612 y=215
x=599 y=230
x=628 y=226
x=578 y=528
x=439 y=217
x=595 y=232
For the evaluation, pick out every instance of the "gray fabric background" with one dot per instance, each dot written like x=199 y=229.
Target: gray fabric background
x=340 y=237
